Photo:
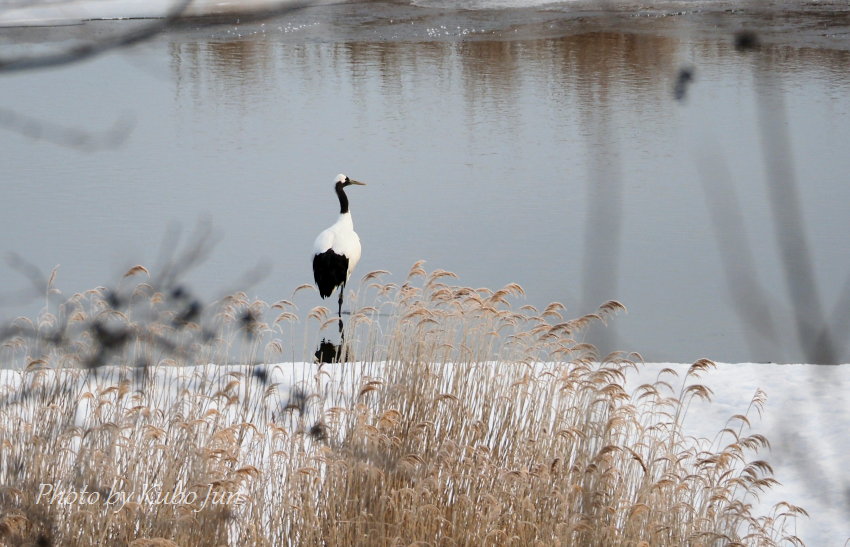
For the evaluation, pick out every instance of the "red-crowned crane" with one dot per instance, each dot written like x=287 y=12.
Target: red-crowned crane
x=337 y=249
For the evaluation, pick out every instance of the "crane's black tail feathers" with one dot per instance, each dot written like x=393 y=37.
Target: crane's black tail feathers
x=329 y=271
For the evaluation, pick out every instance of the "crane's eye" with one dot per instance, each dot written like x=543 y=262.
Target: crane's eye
x=347 y=180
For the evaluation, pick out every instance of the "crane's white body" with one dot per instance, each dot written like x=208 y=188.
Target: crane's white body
x=342 y=240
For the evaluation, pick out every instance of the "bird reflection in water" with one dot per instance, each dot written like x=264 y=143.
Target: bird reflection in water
x=328 y=352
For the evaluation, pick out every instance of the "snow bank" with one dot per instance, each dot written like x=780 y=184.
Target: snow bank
x=806 y=419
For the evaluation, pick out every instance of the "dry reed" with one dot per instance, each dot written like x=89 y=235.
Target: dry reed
x=460 y=421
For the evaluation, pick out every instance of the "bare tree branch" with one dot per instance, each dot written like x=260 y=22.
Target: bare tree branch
x=749 y=299
x=784 y=199
x=65 y=136
x=84 y=51
x=80 y=52
x=839 y=324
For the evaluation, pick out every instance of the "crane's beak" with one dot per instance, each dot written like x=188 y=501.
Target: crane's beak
x=352 y=181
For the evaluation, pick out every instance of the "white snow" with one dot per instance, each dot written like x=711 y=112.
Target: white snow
x=807 y=421
x=72 y=12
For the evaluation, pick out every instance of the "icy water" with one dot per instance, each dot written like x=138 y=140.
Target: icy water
x=539 y=145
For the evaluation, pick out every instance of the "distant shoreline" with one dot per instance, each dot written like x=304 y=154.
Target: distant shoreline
x=825 y=25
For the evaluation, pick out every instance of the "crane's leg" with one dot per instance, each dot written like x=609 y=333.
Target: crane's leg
x=341 y=290
x=341 y=351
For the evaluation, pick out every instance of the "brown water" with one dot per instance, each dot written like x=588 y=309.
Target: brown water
x=542 y=146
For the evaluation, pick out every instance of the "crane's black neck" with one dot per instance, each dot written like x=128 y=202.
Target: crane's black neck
x=343 y=199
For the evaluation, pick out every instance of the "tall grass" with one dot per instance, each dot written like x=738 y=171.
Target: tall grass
x=456 y=420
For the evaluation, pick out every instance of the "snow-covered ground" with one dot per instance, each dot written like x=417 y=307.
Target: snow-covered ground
x=806 y=419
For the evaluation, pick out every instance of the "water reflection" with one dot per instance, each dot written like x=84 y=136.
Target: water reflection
x=495 y=71
x=233 y=72
x=560 y=160
x=594 y=65
x=328 y=352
